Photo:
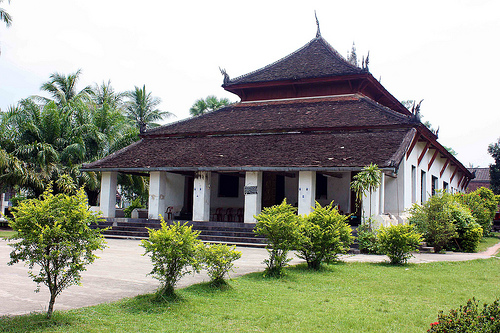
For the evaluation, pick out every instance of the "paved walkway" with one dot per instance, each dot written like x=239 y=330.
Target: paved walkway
x=121 y=272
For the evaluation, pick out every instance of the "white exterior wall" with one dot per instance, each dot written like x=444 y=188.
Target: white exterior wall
x=338 y=191
x=398 y=196
x=174 y=192
x=292 y=190
x=225 y=202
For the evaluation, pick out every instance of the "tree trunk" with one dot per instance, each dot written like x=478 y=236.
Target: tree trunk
x=51 y=304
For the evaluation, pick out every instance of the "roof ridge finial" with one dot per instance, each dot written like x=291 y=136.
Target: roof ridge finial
x=318 y=33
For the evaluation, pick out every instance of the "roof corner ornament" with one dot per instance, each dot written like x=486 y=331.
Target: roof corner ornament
x=318 y=33
x=226 y=76
x=365 y=62
x=415 y=110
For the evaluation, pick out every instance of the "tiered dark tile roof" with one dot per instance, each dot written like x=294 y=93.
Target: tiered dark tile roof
x=348 y=130
x=288 y=115
x=341 y=131
x=316 y=59
x=384 y=147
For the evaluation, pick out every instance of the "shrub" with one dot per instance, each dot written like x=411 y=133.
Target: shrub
x=322 y=235
x=482 y=204
x=470 y=238
x=367 y=238
x=469 y=318
x=469 y=232
x=279 y=225
x=434 y=219
x=174 y=252
x=218 y=260
x=54 y=236
x=136 y=203
x=398 y=241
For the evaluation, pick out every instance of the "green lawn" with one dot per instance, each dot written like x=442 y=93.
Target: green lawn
x=345 y=297
x=487 y=242
x=6 y=233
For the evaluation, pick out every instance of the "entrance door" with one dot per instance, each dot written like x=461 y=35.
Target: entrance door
x=273 y=189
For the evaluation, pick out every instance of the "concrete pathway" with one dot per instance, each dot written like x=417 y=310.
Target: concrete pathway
x=121 y=272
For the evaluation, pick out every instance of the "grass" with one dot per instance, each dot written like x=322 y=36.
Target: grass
x=489 y=241
x=6 y=233
x=343 y=297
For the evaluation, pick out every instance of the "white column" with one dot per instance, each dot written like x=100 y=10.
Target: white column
x=201 y=196
x=2 y=206
x=307 y=191
x=157 y=188
x=108 y=193
x=253 y=195
x=381 y=208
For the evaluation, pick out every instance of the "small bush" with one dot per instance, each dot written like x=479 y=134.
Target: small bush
x=398 y=241
x=434 y=219
x=367 y=238
x=469 y=231
x=322 y=235
x=482 y=204
x=279 y=225
x=136 y=203
x=470 y=238
x=218 y=260
x=174 y=252
x=469 y=318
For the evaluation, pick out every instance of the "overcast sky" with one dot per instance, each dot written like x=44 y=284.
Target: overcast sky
x=441 y=51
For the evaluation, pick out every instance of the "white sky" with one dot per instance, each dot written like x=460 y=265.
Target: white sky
x=441 y=51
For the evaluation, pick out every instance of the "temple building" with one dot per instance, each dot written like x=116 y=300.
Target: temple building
x=304 y=126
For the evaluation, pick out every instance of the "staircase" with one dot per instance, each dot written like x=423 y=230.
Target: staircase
x=233 y=233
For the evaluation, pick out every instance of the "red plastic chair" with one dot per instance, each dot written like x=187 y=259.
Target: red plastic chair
x=218 y=215
x=170 y=214
x=239 y=214
x=229 y=215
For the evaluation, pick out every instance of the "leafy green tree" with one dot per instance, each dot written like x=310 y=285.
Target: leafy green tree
x=55 y=240
x=436 y=219
x=62 y=88
x=209 y=104
x=279 y=224
x=482 y=204
x=451 y=150
x=323 y=234
x=5 y=17
x=174 y=251
x=494 y=151
x=141 y=109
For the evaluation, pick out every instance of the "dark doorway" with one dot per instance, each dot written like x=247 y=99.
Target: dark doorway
x=187 y=210
x=273 y=189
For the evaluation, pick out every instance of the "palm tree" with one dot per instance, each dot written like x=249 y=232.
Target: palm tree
x=366 y=181
x=62 y=88
x=5 y=17
x=141 y=109
x=209 y=104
